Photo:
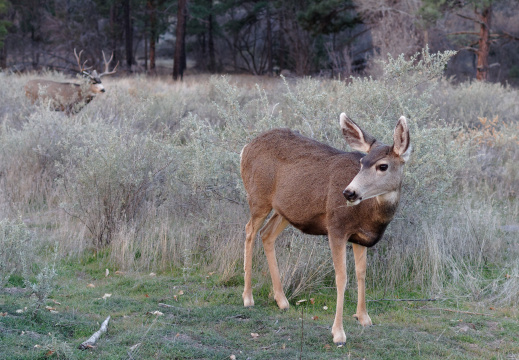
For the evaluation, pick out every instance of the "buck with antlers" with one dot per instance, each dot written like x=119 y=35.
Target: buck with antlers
x=320 y=190
x=66 y=96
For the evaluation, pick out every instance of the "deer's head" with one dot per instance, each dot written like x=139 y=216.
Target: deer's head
x=381 y=170
x=96 y=86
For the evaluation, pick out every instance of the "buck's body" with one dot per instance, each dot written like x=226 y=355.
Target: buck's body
x=303 y=177
x=321 y=190
x=66 y=96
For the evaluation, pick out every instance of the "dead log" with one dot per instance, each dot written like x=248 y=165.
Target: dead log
x=93 y=339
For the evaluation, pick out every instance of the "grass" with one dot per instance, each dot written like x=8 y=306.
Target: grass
x=208 y=321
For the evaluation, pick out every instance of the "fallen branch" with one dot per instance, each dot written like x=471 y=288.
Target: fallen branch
x=377 y=300
x=170 y=306
x=93 y=339
x=457 y=311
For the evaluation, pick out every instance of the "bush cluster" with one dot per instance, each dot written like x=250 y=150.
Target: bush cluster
x=150 y=170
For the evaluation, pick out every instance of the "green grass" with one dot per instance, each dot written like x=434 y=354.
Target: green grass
x=208 y=321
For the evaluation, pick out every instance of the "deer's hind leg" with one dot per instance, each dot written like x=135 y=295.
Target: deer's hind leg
x=258 y=216
x=269 y=233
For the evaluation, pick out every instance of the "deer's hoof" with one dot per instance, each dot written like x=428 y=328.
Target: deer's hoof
x=283 y=303
x=363 y=319
x=248 y=301
x=339 y=337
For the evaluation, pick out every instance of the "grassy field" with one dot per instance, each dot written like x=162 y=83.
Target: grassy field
x=207 y=320
x=146 y=179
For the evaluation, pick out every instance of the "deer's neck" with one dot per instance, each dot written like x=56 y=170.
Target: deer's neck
x=389 y=199
x=379 y=216
x=386 y=205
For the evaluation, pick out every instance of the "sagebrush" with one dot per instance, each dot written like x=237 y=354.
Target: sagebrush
x=150 y=172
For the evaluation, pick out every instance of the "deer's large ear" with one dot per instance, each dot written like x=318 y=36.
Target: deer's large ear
x=355 y=136
x=402 y=141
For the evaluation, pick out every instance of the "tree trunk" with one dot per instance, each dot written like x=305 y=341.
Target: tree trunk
x=483 y=43
x=146 y=35
x=3 y=56
x=113 y=30
x=153 y=32
x=128 y=34
x=179 y=63
x=269 y=42
x=282 y=43
x=210 y=40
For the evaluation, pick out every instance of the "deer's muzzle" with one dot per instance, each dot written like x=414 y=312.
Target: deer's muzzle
x=352 y=196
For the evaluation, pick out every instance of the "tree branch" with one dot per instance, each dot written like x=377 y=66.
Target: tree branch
x=468 y=48
x=377 y=300
x=92 y=340
x=509 y=36
x=472 y=19
x=457 y=311
x=464 y=33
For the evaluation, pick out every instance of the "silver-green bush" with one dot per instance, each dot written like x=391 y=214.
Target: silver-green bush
x=152 y=167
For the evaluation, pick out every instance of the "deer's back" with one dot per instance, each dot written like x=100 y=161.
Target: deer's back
x=48 y=89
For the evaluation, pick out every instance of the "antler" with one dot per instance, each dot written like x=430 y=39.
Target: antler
x=78 y=58
x=107 y=64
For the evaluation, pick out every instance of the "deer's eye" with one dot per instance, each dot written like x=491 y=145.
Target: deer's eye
x=383 y=167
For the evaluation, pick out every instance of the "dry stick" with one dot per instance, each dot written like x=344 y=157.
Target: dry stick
x=302 y=332
x=137 y=347
x=170 y=306
x=92 y=340
x=376 y=300
x=457 y=311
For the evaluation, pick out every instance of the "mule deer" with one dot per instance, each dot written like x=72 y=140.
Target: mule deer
x=323 y=191
x=66 y=96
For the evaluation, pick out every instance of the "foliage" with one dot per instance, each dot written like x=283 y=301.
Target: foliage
x=45 y=281
x=4 y=6
x=447 y=239
x=328 y=17
x=15 y=241
x=109 y=175
x=18 y=256
x=211 y=150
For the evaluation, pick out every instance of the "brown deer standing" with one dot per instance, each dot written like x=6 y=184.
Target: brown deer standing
x=320 y=190
x=69 y=97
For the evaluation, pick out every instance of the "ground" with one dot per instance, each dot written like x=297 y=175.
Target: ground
x=205 y=319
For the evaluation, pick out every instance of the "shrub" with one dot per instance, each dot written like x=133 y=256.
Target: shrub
x=17 y=255
x=108 y=175
x=152 y=167
x=14 y=246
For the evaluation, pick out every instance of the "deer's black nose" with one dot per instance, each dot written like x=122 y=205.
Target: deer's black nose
x=350 y=195
x=103 y=90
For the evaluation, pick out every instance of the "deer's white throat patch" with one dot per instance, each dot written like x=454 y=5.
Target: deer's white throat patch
x=390 y=197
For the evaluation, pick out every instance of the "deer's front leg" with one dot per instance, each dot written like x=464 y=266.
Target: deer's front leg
x=360 y=252
x=338 y=247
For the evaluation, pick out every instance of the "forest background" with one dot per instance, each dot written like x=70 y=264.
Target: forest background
x=329 y=38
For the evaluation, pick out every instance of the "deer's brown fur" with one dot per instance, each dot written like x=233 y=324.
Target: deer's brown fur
x=323 y=191
x=66 y=96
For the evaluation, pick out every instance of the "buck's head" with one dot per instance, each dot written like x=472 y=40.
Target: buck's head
x=381 y=170
x=96 y=86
